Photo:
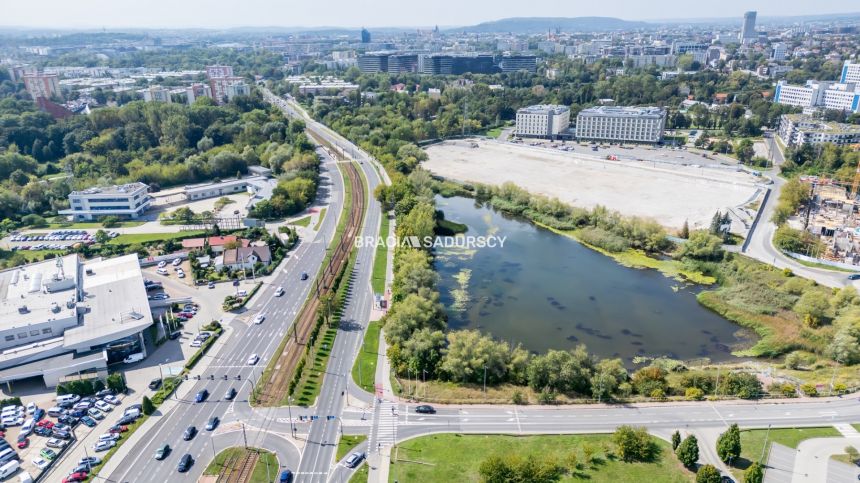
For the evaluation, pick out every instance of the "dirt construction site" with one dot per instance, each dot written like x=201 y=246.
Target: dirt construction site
x=666 y=185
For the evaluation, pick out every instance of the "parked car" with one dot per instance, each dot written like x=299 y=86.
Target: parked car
x=162 y=452
x=189 y=433
x=90 y=422
x=162 y=271
x=118 y=428
x=103 y=406
x=185 y=463
x=23 y=443
x=211 y=284
x=67 y=420
x=90 y=460
x=42 y=431
x=354 y=459
x=154 y=384
x=40 y=463
x=74 y=477
x=105 y=392
x=128 y=419
x=112 y=400
x=56 y=443
x=48 y=454
x=103 y=445
x=61 y=434
x=196 y=343
x=83 y=405
x=95 y=414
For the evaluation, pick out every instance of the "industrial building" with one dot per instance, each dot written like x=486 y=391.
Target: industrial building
x=623 y=124
x=800 y=129
x=543 y=121
x=124 y=201
x=66 y=315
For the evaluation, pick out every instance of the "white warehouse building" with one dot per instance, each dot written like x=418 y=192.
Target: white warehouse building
x=125 y=201
x=622 y=124
x=543 y=121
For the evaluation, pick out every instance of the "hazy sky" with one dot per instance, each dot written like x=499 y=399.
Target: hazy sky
x=372 y=13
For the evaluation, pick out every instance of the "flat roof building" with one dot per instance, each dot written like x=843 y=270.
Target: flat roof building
x=622 y=124
x=124 y=201
x=66 y=315
x=850 y=72
x=800 y=129
x=543 y=121
x=42 y=85
x=842 y=96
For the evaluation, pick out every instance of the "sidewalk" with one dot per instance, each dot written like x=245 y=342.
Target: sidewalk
x=380 y=461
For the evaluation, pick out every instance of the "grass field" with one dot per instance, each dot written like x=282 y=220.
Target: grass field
x=320 y=219
x=303 y=221
x=753 y=440
x=92 y=225
x=150 y=237
x=346 y=444
x=456 y=457
x=380 y=260
x=823 y=266
x=260 y=474
x=857 y=427
x=311 y=383
x=361 y=474
x=367 y=357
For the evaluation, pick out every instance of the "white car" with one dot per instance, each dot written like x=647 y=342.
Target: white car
x=181 y=275
x=104 y=406
x=177 y=262
x=40 y=463
x=253 y=359
x=31 y=408
x=196 y=343
x=110 y=398
x=109 y=437
x=259 y=318
x=12 y=421
x=104 y=445
x=56 y=443
x=162 y=271
x=279 y=291
x=162 y=264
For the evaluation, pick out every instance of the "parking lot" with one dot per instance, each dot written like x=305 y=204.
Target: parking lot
x=52 y=240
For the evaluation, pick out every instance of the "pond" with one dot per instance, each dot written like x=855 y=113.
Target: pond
x=547 y=291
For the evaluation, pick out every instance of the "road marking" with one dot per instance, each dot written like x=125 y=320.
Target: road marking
x=519 y=426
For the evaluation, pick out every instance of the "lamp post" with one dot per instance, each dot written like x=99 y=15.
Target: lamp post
x=290 y=410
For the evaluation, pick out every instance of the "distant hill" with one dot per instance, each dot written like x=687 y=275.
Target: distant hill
x=529 y=25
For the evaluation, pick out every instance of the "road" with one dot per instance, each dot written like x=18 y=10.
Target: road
x=231 y=360
x=761 y=238
x=321 y=442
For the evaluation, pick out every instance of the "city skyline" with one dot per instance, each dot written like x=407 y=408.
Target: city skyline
x=343 y=14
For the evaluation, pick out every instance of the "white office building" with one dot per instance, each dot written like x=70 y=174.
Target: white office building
x=850 y=72
x=800 y=129
x=542 y=121
x=156 y=94
x=843 y=96
x=125 y=201
x=622 y=124
x=66 y=315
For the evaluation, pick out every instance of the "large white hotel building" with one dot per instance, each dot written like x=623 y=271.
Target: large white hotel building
x=623 y=124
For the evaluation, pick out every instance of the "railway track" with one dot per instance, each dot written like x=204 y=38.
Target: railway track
x=276 y=387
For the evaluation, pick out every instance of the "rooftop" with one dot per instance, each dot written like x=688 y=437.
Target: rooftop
x=38 y=292
x=113 y=190
x=544 y=109
x=809 y=124
x=623 y=111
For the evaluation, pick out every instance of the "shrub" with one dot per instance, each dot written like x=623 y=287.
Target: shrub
x=518 y=398
x=547 y=397
x=688 y=451
x=809 y=389
x=694 y=394
x=147 y=406
x=708 y=474
x=633 y=444
x=754 y=474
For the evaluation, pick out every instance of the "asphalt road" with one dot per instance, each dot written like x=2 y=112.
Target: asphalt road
x=231 y=361
x=322 y=436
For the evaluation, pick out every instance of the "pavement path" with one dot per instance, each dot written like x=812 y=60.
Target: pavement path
x=812 y=463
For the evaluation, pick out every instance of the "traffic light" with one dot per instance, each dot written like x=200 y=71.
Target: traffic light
x=225 y=377
x=329 y=418
x=211 y=377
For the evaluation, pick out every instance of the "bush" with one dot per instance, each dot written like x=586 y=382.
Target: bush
x=809 y=389
x=633 y=444
x=708 y=474
x=147 y=406
x=754 y=474
x=116 y=382
x=546 y=397
x=518 y=398
x=110 y=221
x=694 y=394
x=688 y=451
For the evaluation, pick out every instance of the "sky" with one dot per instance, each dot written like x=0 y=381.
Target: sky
x=371 y=13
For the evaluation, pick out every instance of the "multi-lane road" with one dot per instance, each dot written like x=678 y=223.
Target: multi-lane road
x=231 y=361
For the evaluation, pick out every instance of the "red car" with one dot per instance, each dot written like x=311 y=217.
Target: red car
x=23 y=443
x=187 y=315
x=79 y=476
x=118 y=429
x=45 y=424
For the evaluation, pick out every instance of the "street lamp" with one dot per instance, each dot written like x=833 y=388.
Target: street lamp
x=290 y=410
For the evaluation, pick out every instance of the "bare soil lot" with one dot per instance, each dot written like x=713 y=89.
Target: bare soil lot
x=667 y=192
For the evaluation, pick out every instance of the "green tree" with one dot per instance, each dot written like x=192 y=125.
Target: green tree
x=676 y=440
x=688 y=451
x=702 y=245
x=685 y=230
x=708 y=474
x=147 y=406
x=813 y=307
x=745 y=151
x=633 y=444
x=115 y=382
x=754 y=474
x=102 y=236
x=729 y=444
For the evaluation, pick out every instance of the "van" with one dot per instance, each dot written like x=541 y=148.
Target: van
x=133 y=412
x=9 y=469
x=132 y=358
x=8 y=455
x=71 y=398
x=25 y=478
x=28 y=426
x=56 y=412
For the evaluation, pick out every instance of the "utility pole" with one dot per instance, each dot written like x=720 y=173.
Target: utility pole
x=485 y=380
x=765 y=444
x=290 y=410
x=244 y=437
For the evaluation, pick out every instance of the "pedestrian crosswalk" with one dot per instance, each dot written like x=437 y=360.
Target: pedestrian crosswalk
x=384 y=432
x=847 y=430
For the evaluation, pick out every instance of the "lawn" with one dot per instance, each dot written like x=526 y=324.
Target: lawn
x=150 y=237
x=312 y=377
x=320 y=219
x=260 y=473
x=303 y=221
x=752 y=441
x=857 y=427
x=456 y=457
x=346 y=444
x=360 y=475
x=367 y=357
x=92 y=225
x=380 y=260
